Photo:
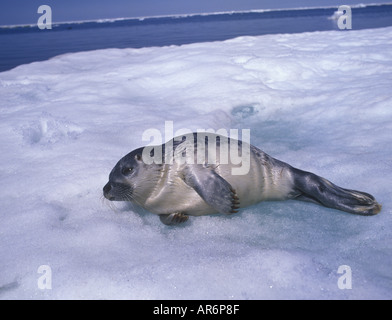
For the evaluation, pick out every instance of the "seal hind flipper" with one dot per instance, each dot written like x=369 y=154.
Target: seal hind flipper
x=212 y=188
x=319 y=190
x=173 y=218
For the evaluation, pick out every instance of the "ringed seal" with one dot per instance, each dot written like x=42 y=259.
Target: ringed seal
x=176 y=190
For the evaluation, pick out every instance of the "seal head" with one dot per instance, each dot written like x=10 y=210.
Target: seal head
x=121 y=184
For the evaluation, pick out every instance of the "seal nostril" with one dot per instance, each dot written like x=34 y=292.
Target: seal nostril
x=107 y=188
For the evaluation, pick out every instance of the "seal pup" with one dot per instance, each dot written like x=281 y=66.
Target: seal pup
x=163 y=180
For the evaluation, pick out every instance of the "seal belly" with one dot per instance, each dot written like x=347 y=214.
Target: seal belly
x=247 y=186
x=278 y=183
x=173 y=195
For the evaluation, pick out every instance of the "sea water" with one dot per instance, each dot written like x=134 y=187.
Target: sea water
x=24 y=44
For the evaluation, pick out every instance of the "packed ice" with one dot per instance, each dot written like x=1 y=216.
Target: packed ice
x=320 y=101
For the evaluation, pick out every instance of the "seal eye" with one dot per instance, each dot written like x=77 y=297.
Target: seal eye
x=127 y=171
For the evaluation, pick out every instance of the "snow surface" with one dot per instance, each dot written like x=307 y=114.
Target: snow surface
x=320 y=101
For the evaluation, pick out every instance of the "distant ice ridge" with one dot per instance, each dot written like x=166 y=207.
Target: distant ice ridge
x=319 y=101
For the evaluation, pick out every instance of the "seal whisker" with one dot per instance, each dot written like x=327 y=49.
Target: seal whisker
x=110 y=205
x=133 y=201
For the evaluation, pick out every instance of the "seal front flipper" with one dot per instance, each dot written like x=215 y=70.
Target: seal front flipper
x=173 y=218
x=212 y=188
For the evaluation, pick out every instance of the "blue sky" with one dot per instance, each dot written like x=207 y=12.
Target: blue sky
x=25 y=11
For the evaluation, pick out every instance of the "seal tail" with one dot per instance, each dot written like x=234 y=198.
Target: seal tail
x=313 y=188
